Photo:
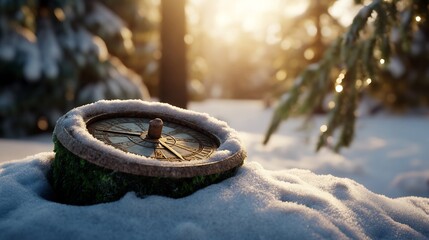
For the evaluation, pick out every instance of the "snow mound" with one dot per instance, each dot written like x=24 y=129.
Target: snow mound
x=414 y=183
x=255 y=204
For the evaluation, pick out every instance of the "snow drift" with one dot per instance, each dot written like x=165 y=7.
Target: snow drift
x=255 y=204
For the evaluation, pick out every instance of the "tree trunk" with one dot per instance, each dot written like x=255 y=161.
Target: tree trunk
x=173 y=69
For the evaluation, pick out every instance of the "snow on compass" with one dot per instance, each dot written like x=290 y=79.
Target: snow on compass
x=146 y=147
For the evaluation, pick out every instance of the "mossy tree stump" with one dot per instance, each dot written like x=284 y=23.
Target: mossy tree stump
x=91 y=167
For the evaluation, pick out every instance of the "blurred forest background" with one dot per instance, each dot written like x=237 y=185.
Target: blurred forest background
x=307 y=56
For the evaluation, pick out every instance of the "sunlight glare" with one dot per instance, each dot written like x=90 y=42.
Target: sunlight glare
x=273 y=34
x=340 y=77
x=296 y=8
x=42 y=123
x=59 y=14
x=310 y=28
x=281 y=75
x=286 y=44
x=368 y=81
x=260 y=18
x=189 y=39
x=248 y=24
x=358 y=83
x=309 y=54
x=340 y=7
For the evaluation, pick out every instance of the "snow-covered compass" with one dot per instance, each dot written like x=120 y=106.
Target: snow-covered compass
x=152 y=138
x=108 y=148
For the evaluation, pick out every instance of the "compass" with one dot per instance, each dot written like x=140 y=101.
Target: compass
x=152 y=138
x=108 y=148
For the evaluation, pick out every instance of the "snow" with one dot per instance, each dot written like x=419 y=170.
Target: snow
x=255 y=204
x=414 y=182
x=48 y=45
x=6 y=53
x=367 y=192
x=67 y=38
x=32 y=66
x=25 y=44
x=102 y=17
x=18 y=42
x=84 y=39
x=14 y=149
x=385 y=147
x=396 y=67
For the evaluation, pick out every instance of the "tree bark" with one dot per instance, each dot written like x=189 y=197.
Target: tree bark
x=173 y=69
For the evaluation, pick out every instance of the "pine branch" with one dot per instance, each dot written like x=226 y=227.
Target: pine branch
x=359 y=56
x=291 y=99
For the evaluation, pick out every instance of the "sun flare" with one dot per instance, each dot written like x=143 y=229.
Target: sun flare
x=260 y=18
x=250 y=45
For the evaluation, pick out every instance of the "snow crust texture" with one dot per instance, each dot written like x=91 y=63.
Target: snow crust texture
x=255 y=204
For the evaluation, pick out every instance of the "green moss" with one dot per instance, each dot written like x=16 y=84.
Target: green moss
x=79 y=182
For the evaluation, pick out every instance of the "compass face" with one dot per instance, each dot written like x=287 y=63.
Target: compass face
x=175 y=142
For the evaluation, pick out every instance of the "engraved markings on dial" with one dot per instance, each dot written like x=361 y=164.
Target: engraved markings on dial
x=177 y=142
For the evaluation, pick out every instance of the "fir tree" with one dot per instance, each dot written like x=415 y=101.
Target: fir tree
x=143 y=19
x=53 y=57
x=300 y=48
x=384 y=53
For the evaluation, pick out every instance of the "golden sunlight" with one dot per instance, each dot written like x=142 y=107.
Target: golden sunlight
x=225 y=19
x=251 y=46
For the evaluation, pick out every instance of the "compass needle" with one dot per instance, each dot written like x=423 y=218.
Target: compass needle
x=120 y=132
x=165 y=145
